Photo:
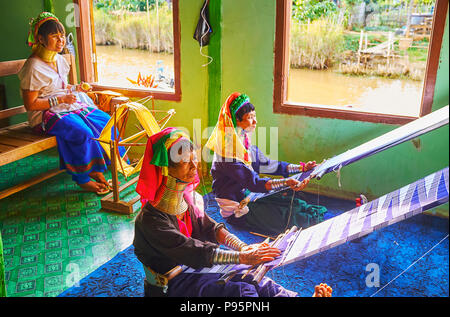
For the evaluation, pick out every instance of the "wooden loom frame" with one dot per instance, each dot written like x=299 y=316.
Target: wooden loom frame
x=112 y=202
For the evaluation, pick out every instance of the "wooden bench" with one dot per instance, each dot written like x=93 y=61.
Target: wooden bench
x=19 y=141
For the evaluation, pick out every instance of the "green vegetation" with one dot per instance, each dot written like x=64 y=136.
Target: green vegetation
x=140 y=30
x=316 y=45
x=310 y=10
x=351 y=40
x=125 y=5
x=326 y=34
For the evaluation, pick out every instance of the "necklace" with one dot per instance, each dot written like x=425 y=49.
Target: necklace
x=45 y=54
x=172 y=200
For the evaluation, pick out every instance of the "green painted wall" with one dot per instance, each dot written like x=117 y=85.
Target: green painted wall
x=215 y=68
x=247 y=66
x=14 y=19
x=192 y=110
x=194 y=77
x=242 y=46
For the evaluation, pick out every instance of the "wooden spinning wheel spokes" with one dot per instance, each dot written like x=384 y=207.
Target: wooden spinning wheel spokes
x=113 y=137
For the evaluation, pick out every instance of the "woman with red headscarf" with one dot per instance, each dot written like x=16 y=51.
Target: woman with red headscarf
x=172 y=229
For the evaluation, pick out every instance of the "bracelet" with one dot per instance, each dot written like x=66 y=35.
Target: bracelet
x=293 y=168
x=278 y=183
x=233 y=242
x=53 y=101
x=221 y=256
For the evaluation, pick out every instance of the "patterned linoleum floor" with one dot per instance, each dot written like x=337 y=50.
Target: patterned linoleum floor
x=53 y=233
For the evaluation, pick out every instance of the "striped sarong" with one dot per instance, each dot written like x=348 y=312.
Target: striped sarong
x=75 y=131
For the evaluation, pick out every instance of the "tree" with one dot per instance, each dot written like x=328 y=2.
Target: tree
x=310 y=10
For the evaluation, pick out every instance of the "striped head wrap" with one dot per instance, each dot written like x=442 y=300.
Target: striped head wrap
x=224 y=140
x=36 y=23
x=237 y=104
x=154 y=172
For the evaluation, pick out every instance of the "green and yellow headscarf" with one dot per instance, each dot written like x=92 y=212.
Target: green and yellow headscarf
x=224 y=140
x=35 y=24
x=36 y=47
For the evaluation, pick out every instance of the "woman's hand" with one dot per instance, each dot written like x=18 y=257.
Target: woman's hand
x=68 y=99
x=297 y=185
x=252 y=247
x=83 y=87
x=322 y=290
x=292 y=183
x=258 y=253
x=309 y=166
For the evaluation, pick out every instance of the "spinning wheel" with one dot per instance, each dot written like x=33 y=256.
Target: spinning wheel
x=113 y=137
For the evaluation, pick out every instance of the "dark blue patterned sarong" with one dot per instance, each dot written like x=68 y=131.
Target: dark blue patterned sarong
x=205 y=285
x=75 y=131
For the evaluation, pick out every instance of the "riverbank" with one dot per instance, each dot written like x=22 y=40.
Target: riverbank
x=324 y=44
x=364 y=93
x=152 y=30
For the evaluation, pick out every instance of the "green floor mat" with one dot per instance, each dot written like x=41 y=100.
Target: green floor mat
x=54 y=233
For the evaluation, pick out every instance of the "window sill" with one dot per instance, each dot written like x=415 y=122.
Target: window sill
x=339 y=112
x=157 y=94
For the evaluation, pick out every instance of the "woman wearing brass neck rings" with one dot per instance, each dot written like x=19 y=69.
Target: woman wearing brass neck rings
x=57 y=108
x=172 y=229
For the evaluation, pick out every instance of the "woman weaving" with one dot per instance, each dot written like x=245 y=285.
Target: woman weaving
x=57 y=108
x=236 y=168
x=172 y=229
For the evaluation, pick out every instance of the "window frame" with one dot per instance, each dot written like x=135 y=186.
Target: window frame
x=281 y=71
x=86 y=52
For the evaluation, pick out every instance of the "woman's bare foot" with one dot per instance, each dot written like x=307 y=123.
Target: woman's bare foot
x=322 y=290
x=99 y=178
x=94 y=187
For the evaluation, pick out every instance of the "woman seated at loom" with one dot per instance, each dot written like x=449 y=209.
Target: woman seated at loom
x=65 y=111
x=172 y=229
x=235 y=171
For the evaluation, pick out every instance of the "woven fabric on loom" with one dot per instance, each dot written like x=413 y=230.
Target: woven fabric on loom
x=397 y=136
x=410 y=200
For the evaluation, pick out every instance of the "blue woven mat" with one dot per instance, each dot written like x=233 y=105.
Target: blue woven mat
x=347 y=268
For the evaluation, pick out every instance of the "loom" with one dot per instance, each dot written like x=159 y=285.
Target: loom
x=397 y=136
x=297 y=244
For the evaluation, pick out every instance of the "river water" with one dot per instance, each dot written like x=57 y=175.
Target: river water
x=372 y=94
x=115 y=65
